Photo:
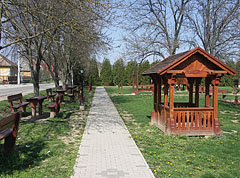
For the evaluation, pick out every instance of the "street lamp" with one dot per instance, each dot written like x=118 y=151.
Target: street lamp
x=82 y=100
x=19 y=69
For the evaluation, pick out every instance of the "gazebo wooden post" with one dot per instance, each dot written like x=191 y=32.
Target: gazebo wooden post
x=137 y=85
x=190 y=81
x=207 y=97
x=198 y=81
x=216 y=121
x=165 y=97
x=122 y=89
x=133 y=90
x=154 y=113
x=170 y=120
x=118 y=88
x=159 y=88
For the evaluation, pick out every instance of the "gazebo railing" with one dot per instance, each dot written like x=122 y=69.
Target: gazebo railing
x=184 y=105
x=193 y=118
x=163 y=114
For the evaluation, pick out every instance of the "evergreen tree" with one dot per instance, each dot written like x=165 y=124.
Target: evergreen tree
x=143 y=80
x=106 y=72
x=119 y=72
x=227 y=80
x=93 y=77
x=132 y=66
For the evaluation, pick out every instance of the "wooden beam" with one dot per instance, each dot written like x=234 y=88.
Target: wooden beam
x=196 y=72
x=175 y=71
x=214 y=72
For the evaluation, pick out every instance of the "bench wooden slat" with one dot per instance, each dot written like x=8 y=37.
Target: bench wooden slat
x=15 y=97
x=20 y=105
x=18 y=99
x=55 y=107
x=9 y=129
x=5 y=133
x=52 y=105
x=6 y=122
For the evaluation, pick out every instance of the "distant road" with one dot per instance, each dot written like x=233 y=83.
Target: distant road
x=8 y=89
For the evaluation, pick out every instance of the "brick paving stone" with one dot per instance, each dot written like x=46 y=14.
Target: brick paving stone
x=107 y=149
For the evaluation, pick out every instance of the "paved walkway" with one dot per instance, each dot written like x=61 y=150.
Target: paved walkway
x=107 y=149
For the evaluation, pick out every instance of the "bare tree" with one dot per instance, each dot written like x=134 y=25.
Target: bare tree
x=155 y=27
x=215 y=25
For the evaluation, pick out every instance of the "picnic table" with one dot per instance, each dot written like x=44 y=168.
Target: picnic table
x=71 y=88
x=34 y=101
x=61 y=92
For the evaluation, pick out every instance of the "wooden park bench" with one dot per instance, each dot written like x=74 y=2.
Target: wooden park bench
x=50 y=94
x=15 y=102
x=219 y=91
x=9 y=129
x=146 y=88
x=55 y=107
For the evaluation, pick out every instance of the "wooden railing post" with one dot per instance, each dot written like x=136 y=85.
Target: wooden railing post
x=216 y=121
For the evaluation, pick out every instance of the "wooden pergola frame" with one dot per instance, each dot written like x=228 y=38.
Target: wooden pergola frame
x=187 y=118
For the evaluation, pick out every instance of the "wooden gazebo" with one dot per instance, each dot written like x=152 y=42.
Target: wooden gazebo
x=187 y=118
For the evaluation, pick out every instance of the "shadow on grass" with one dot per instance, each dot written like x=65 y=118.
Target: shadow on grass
x=22 y=157
x=121 y=99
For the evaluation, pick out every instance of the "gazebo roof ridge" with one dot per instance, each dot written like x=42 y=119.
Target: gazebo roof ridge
x=174 y=60
x=178 y=54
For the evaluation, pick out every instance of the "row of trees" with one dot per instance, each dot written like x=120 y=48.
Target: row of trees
x=120 y=73
x=64 y=34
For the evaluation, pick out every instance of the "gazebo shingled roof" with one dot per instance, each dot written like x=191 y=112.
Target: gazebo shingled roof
x=167 y=61
x=187 y=118
x=176 y=59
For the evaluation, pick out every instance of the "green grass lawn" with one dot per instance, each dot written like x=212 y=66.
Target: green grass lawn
x=46 y=147
x=182 y=156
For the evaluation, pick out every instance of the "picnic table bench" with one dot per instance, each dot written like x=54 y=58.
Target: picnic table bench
x=71 y=92
x=17 y=98
x=219 y=91
x=55 y=107
x=50 y=94
x=9 y=129
x=223 y=93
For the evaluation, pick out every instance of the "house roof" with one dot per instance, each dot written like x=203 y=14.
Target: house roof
x=174 y=60
x=24 y=66
x=4 y=62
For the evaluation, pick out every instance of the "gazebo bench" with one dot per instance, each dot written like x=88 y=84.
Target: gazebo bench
x=55 y=107
x=9 y=129
x=18 y=98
